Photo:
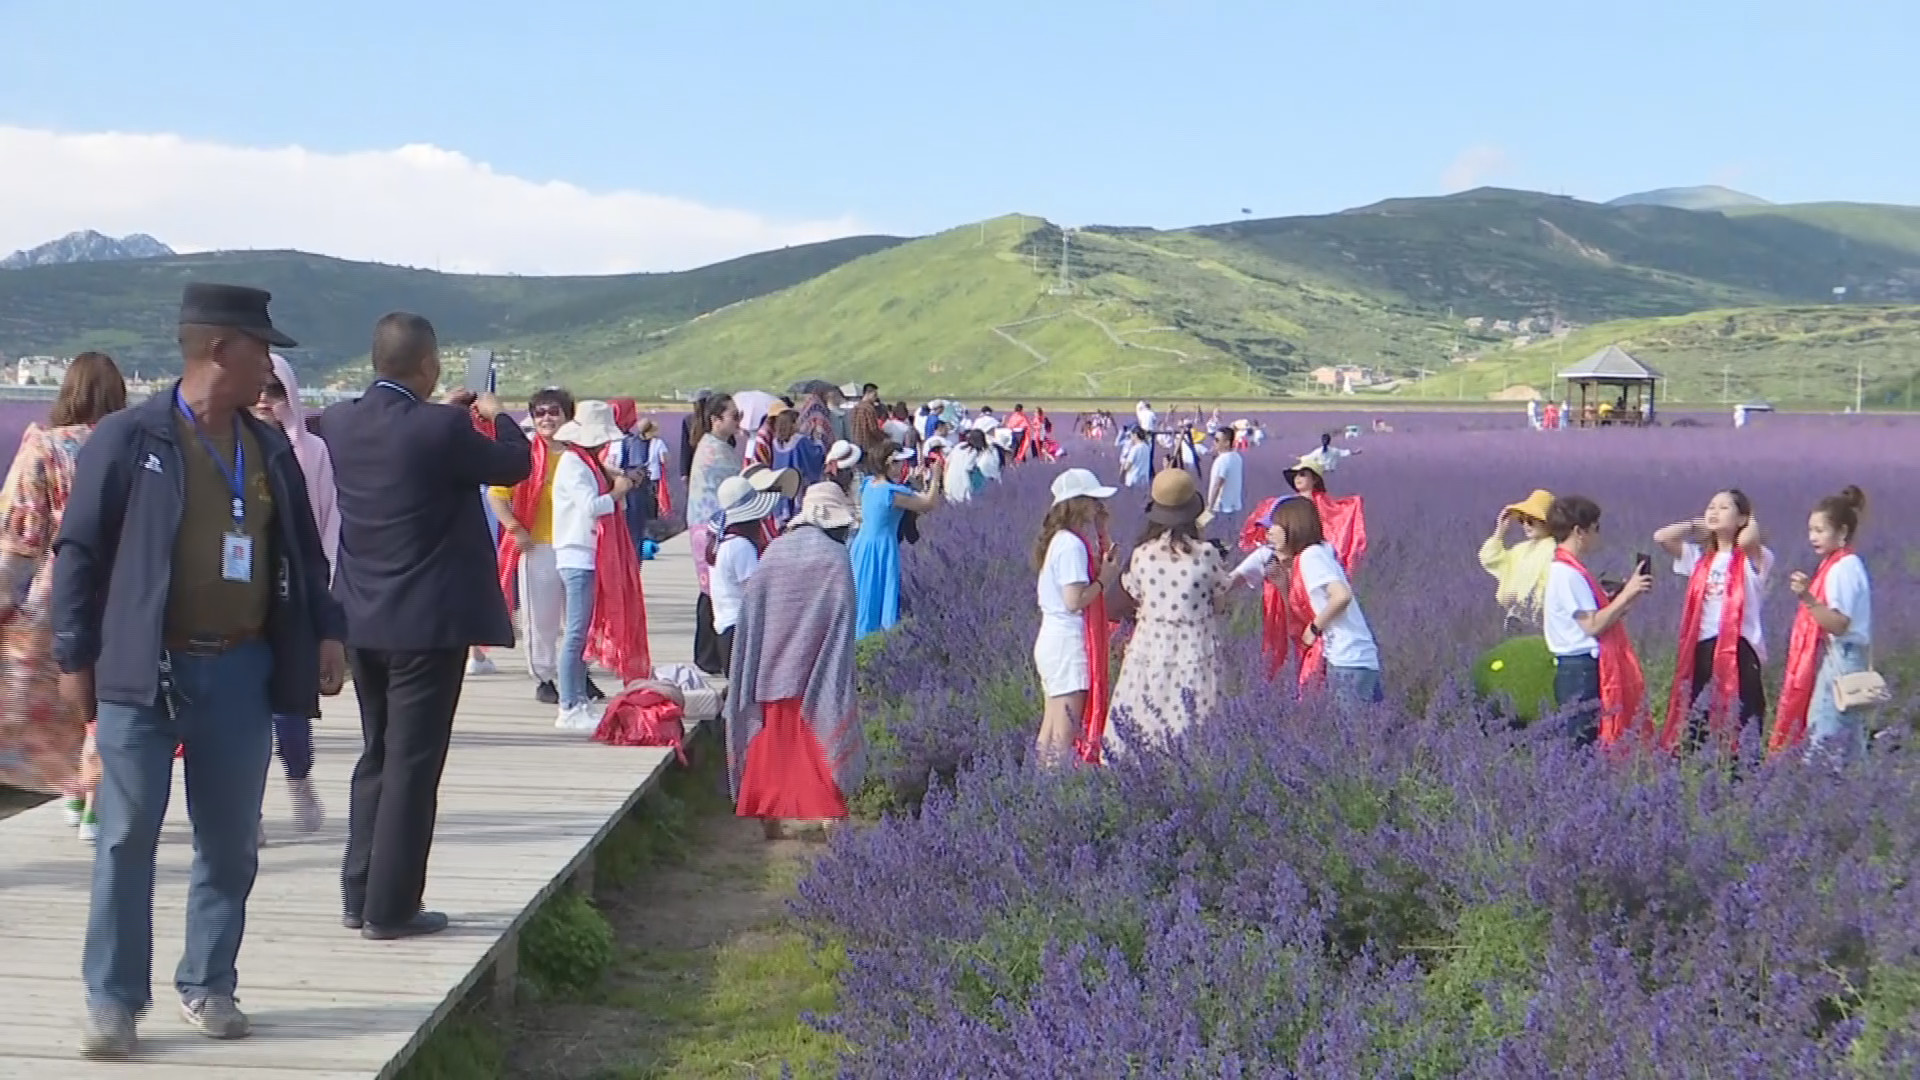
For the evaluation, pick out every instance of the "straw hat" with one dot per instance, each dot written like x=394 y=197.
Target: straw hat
x=1305 y=464
x=779 y=481
x=1534 y=506
x=1176 y=498
x=592 y=425
x=825 y=506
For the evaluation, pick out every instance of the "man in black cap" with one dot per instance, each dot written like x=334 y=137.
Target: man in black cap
x=190 y=605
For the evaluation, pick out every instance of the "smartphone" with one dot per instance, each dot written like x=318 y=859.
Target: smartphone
x=1642 y=564
x=480 y=371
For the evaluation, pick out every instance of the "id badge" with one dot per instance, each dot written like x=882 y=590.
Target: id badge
x=236 y=557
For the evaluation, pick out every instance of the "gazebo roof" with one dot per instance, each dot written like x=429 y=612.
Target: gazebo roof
x=1611 y=363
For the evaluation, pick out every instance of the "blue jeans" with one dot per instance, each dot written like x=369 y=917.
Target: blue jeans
x=1576 y=690
x=222 y=716
x=573 y=637
x=1843 y=734
x=1353 y=686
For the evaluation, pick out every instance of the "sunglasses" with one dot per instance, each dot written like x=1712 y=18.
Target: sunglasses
x=553 y=411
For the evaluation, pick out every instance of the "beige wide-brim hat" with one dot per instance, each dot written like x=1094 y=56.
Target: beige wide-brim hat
x=826 y=506
x=592 y=426
x=779 y=481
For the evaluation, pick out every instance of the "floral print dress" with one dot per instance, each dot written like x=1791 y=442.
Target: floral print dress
x=40 y=738
x=1175 y=649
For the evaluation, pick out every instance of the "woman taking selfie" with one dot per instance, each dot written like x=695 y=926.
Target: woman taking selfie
x=1832 y=634
x=1597 y=677
x=1336 y=644
x=1075 y=564
x=876 y=547
x=1721 y=643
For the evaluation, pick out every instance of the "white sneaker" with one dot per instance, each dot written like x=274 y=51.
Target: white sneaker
x=579 y=718
x=308 y=814
x=72 y=810
x=481 y=665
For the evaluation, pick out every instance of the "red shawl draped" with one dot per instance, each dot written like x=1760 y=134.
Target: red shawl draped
x=625 y=413
x=1343 y=521
x=617 y=636
x=1623 y=687
x=1284 y=615
x=1723 y=718
x=1803 y=665
x=525 y=501
x=1098 y=637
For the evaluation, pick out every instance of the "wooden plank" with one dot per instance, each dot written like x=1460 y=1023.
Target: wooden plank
x=522 y=806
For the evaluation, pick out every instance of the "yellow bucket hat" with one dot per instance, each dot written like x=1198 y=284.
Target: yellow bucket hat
x=1534 y=506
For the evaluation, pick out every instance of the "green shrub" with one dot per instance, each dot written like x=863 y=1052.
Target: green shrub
x=566 y=947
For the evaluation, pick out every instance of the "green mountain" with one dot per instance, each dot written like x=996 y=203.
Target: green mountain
x=1705 y=197
x=127 y=308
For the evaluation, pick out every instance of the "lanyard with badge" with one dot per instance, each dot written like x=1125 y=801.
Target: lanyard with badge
x=236 y=547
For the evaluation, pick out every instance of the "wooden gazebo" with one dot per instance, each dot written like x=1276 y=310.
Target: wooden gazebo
x=1611 y=387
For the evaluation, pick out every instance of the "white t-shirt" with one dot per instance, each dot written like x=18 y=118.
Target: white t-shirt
x=962 y=462
x=733 y=564
x=1349 y=639
x=1066 y=565
x=656 y=457
x=1568 y=593
x=1253 y=569
x=1759 y=573
x=1135 y=457
x=1226 y=472
x=1851 y=594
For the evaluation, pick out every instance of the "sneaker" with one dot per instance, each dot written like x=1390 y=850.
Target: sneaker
x=308 y=814
x=217 y=1016
x=547 y=693
x=481 y=665
x=109 y=1033
x=72 y=810
x=578 y=718
x=89 y=828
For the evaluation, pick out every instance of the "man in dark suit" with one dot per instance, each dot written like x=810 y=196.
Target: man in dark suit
x=416 y=577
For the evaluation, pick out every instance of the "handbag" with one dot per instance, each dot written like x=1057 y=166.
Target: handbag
x=1859 y=689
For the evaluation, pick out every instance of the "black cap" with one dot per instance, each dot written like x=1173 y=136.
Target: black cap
x=233 y=306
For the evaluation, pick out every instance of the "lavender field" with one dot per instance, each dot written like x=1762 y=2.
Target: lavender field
x=1419 y=891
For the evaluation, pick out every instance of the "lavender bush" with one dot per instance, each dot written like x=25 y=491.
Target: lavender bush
x=1419 y=891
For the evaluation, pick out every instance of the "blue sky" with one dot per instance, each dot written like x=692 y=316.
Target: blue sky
x=911 y=117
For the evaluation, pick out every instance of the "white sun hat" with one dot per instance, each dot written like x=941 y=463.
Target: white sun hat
x=1002 y=438
x=843 y=454
x=1079 y=484
x=592 y=426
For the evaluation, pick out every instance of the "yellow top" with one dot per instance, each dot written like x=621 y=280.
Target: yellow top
x=541 y=527
x=1521 y=573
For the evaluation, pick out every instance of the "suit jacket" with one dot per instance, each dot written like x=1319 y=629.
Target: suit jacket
x=417 y=566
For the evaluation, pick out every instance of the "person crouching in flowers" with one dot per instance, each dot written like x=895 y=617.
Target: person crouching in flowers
x=1832 y=634
x=1597 y=678
x=795 y=747
x=1721 y=644
x=1317 y=609
x=1343 y=520
x=1075 y=563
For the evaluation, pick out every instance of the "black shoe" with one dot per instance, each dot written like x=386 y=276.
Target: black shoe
x=427 y=922
x=594 y=693
x=351 y=922
x=547 y=694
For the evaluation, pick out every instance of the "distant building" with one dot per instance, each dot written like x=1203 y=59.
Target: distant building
x=40 y=371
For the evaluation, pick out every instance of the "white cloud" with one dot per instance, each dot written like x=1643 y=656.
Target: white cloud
x=1474 y=166
x=417 y=205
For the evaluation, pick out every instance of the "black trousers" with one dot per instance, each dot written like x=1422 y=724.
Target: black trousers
x=710 y=654
x=407 y=701
x=1753 y=692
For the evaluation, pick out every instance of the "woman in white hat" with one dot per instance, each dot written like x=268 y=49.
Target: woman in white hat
x=795 y=747
x=598 y=564
x=736 y=552
x=876 y=548
x=1075 y=562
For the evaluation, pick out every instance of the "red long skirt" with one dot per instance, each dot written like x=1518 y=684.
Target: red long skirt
x=787 y=775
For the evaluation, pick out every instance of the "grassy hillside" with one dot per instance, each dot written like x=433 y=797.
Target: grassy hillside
x=1792 y=356
x=128 y=309
x=1870 y=223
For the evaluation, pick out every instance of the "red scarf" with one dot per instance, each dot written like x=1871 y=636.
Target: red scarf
x=617 y=636
x=1097 y=637
x=1722 y=718
x=1343 y=521
x=525 y=504
x=663 y=493
x=1623 y=687
x=1803 y=665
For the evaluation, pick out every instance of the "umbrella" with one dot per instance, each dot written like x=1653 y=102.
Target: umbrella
x=753 y=406
x=811 y=386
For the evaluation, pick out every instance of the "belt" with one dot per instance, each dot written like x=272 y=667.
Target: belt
x=208 y=644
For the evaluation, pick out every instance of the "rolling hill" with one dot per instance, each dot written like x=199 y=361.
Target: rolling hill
x=127 y=308
x=1706 y=197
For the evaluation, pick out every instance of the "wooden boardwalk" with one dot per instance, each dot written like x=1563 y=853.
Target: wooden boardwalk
x=522 y=807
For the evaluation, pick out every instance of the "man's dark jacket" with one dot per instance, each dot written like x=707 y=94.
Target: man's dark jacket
x=113 y=560
x=417 y=564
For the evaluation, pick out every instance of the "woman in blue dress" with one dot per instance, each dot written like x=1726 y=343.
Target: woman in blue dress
x=875 y=549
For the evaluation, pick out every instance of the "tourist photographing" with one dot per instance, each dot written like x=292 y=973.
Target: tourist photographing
x=1597 y=679
x=172 y=628
x=1722 y=645
x=884 y=497
x=1832 y=635
x=1076 y=564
